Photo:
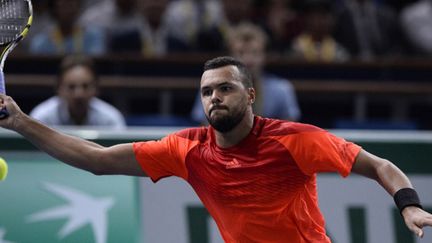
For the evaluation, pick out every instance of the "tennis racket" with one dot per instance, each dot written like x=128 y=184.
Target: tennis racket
x=15 y=20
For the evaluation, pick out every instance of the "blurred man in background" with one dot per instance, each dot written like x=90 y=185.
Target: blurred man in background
x=76 y=102
x=368 y=30
x=316 y=42
x=417 y=24
x=66 y=35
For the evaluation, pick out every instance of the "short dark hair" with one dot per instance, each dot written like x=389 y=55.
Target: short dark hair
x=245 y=75
x=72 y=61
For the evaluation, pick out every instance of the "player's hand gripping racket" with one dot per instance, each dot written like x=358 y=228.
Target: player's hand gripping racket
x=15 y=20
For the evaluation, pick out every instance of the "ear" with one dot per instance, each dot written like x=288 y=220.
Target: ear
x=251 y=93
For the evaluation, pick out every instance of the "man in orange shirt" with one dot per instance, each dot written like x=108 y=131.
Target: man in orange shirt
x=256 y=176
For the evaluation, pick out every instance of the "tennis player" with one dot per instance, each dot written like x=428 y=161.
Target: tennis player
x=256 y=176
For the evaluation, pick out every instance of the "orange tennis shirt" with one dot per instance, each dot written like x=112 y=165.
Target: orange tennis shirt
x=260 y=190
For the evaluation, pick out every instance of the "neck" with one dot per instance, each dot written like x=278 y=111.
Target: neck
x=237 y=134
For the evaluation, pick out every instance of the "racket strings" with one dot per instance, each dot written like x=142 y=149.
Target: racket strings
x=12 y=20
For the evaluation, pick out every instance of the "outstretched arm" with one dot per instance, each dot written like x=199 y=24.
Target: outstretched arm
x=80 y=153
x=392 y=179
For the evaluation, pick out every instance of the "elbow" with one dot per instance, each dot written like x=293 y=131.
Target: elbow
x=97 y=172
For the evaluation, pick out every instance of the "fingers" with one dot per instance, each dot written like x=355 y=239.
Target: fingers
x=416 y=230
x=424 y=221
x=416 y=219
x=4 y=99
x=419 y=232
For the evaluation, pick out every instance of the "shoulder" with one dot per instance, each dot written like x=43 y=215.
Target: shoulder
x=42 y=38
x=276 y=127
x=98 y=14
x=105 y=109
x=47 y=108
x=415 y=10
x=103 y=106
x=276 y=83
x=196 y=134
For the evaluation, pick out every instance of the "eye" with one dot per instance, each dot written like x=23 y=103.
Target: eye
x=71 y=87
x=225 y=88
x=206 y=92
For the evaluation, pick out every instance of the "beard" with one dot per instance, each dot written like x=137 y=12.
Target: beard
x=227 y=122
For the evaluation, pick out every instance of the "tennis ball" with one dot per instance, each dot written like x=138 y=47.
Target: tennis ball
x=3 y=169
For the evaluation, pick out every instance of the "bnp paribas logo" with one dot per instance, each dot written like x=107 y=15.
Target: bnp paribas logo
x=80 y=210
x=3 y=235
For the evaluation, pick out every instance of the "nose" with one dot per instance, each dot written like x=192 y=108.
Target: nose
x=216 y=98
x=79 y=91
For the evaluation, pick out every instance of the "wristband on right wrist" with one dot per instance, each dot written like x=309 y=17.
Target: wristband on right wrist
x=406 y=197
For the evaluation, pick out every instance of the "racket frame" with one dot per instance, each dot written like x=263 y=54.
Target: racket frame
x=8 y=47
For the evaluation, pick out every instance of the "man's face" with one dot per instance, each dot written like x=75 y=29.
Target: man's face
x=77 y=87
x=251 y=53
x=224 y=97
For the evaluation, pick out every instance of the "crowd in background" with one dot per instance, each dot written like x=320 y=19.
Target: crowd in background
x=253 y=31
x=311 y=30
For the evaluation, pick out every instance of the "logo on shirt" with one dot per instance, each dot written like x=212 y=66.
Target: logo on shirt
x=233 y=164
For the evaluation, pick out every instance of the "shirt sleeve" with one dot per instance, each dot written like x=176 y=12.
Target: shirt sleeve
x=163 y=158
x=321 y=151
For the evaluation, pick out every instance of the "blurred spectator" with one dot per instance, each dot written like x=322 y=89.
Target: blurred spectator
x=42 y=20
x=281 y=21
x=127 y=30
x=236 y=12
x=275 y=96
x=154 y=12
x=76 y=102
x=66 y=36
x=194 y=25
x=417 y=23
x=398 y=5
x=89 y=3
x=368 y=30
x=316 y=42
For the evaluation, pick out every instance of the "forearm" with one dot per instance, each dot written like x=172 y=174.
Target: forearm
x=74 y=151
x=391 y=178
x=388 y=175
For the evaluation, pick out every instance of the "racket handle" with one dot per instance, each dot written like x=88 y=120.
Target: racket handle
x=3 y=112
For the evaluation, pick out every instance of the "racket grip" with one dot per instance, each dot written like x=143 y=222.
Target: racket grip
x=3 y=112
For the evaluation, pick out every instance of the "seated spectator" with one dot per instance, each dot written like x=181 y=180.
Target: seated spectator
x=76 y=102
x=126 y=28
x=281 y=21
x=275 y=96
x=66 y=36
x=417 y=24
x=368 y=30
x=236 y=12
x=155 y=43
x=194 y=25
x=316 y=42
x=43 y=21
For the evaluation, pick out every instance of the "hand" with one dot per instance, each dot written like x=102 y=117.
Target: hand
x=14 y=112
x=416 y=218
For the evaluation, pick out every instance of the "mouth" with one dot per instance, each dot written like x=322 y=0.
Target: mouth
x=216 y=108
